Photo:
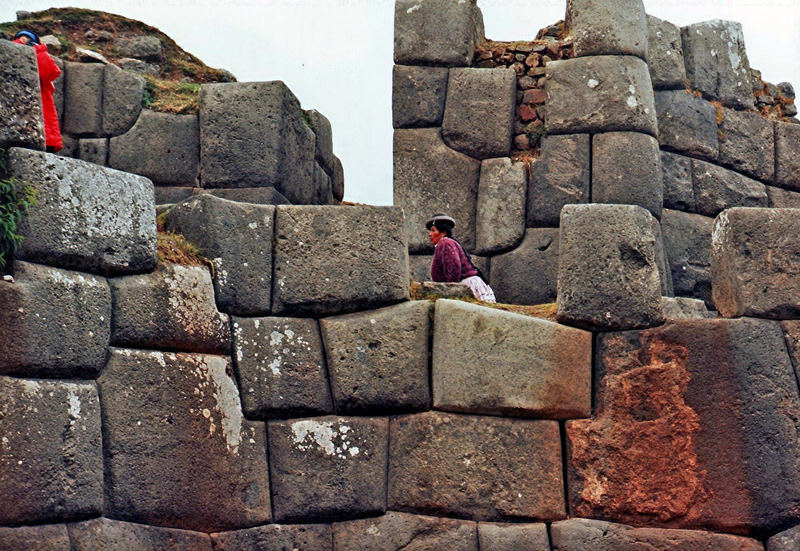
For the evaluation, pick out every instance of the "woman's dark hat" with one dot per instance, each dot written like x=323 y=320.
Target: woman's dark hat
x=30 y=34
x=440 y=218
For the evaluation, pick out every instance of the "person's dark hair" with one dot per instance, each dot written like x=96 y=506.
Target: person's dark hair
x=443 y=226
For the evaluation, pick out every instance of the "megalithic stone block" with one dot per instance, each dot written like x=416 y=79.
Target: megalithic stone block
x=93 y=150
x=529 y=273
x=500 y=214
x=787 y=540
x=404 y=531
x=747 y=144
x=418 y=95
x=275 y=537
x=337 y=179
x=86 y=217
x=104 y=533
x=513 y=537
x=257 y=195
x=687 y=124
x=717 y=188
x=21 y=106
x=324 y=143
x=678 y=185
x=787 y=153
x=122 y=100
x=665 y=54
x=687 y=240
x=608 y=275
x=608 y=28
x=53 y=537
x=83 y=98
x=755 y=263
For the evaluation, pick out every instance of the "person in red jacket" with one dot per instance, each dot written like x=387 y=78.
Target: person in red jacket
x=48 y=72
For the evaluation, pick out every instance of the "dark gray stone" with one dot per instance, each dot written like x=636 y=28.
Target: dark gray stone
x=665 y=54
x=418 y=95
x=70 y=146
x=50 y=537
x=626 y=170
x=52 y=451
x=419 y=266
x=378 y=360
x=52 y=42
x=323 y=151
x=58 y=92
x=168 y=195
x=484 y=468
x=281 y=367
x=687 y=124
x=528 y=274
x=401 y=531
x=83 y=98
x=237 y=238
x=146 y=48
x=500 y=215
x=337 y=179
x=103 y=533
x=254 y=135
x=122 y=100
x=513 y=537
x=716 y=62
x=682 y=308
x=178 y=451
x=323 y=266
x=479 y=111
x=608 y=28
x=275 y=537
x=782 y=199
x=755 y=262
x=559 y=176
x=162 y=146
x=523 y=370
x=322 y=186
x=86 y=217
x=788 y=540
x=93 y=150
x=787 y=155
x=677 y=178
x=171 y=308
x=434 y=290
x=664 y=274
x=138 y=66
x=429 y=177
x=55 y=323
x=21 y=109
x=687 y=239
x=328 y=467
x=437 y=32
x=256 y=195
x=716 y=189
x=747 y=144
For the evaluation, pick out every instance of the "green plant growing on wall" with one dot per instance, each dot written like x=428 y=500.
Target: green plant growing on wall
x=15 y=201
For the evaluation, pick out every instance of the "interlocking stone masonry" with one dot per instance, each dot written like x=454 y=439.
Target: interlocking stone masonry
x=665 y=54
x=608 y=28
x=396 y=531
x=436 y=32
x=104 y=533
x=500 y=214
x=529 y=273
x=21 y=109
x=418 y=95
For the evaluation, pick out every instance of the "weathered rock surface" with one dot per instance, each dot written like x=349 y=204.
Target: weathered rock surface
x=178 y=451
x=785 y=541
x=608 y=276
x=49 y=537
x=682 y=308
x=58 y=92
x=626 y=170
x=479 y=111
x=93 y=150
x=528 y=274
x=599 y=94
x=667 y=290
x=500 y=215
x=337 y=179
x=746 y=144
x=717 y=189
x=172 y=307
x=560 y=176
x=483 y=468
x=138 y=66
x=161 y=146
x=434 y=290
x=322 y=186
x=418 y=95
x=237 y=238
x=787 y=153
x=146 y=48
x=169 y=195
x=779 y=198
x=326 y=468
x=122 y=100
x=398 y=531
x=495 y=362
x=324 y=266
x=513 y=537
x=104 y=533
x=677 y=179
x=665 y=54
x=72 y=226
x=21 y=109
x=756 y=262
x=429 y=177
x=51 y=452
x=281 y=367
x=83 y=98
x=608 y=28
x=257 y=195
x=275 y=537
x=696 y=426
x=436 y=32
x=687 y=240
x=323 y=150
x=687 y=124
x=378 y=360
x=55 y=323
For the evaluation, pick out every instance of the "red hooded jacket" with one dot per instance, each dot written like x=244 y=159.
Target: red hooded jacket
x=48 y=72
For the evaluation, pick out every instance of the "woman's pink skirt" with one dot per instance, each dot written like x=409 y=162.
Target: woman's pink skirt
x=479 y=288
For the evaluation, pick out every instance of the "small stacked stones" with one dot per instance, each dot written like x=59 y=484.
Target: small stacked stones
x=774 y=101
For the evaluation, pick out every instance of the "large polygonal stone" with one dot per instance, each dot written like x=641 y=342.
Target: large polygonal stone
x=788 y=540
x=608 y=28
x=93 y=150
x=102 y=533
x=665 y=54
x=436 y=32
x=49 y=537
x=755 y=263
x=513 y=537
x=378 y=360
x=787 y=155
x=579 y=534
x=717 y=189
x=86 y=217
x=51 y=451
x=687 y=124
x=780 y=198
x=254 y=134
x=496 y=362
x=483 y=468
x=147 y=48
x=122 y=101
x=237 y=238
x=661 y=261
x=687 y=240
x=716 y=61
x=58 y=92
x=418 y=95
x=324 y=266
x=429 y=177
x=608 y=277
x=401 y=531
x=626 y=170
x=696 y=427
x=328 y=467
x=257 y=195
x=323 y=194
x=21 y=106
x=747 y=144
x=678 y=185
x=55 y=323
x=600 y=94
x=528 y=274
x=275 y=537
x=169 y=195
x=162 y=146
x=281 y=367
x=500 y=215
x=559 y=176
x=337 y=179
x=682 y=308
x=479 y=111
x=323 y=151
x=83 y=98
x=179 y=453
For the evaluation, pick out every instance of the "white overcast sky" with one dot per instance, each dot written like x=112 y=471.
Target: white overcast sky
x=336 y=55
